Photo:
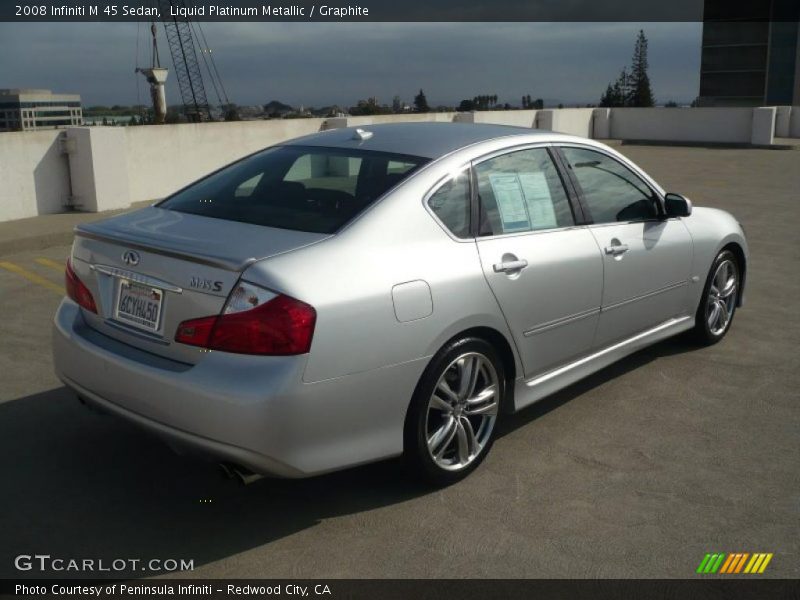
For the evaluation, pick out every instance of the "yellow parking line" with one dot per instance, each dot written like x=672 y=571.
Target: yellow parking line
x=32 y=277
x=52 y=264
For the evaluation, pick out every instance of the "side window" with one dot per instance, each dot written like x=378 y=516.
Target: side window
x=611 y=191
x=451 y=204
x=521 y=191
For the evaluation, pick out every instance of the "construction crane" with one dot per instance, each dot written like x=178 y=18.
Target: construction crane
x=182 y=36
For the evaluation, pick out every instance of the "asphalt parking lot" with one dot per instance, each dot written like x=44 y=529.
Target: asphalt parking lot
x=637 y=471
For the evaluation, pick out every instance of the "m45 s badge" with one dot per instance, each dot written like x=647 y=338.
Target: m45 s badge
x=200 y=283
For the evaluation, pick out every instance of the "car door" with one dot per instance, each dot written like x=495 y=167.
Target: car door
x=646 y=257
x=544 y=269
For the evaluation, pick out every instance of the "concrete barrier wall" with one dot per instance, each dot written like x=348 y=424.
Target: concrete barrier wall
x=725 y=125
x=794 y=122
x=518 y=118
x=112 y=167
x=34 y=174
x=163 y=159
x=574 y=121
x=443 y=117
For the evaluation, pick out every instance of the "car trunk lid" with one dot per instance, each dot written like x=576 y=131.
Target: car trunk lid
x=151 y=269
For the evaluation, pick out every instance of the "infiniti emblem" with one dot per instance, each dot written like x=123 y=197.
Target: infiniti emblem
x=130 y=257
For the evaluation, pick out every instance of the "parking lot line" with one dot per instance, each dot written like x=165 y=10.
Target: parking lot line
x=32 y=277
x=52 y=264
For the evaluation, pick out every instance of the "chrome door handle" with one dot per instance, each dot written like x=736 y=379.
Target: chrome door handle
x=510 y=265
x=617 y=249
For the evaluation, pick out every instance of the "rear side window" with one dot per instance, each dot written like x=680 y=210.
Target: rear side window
x=451 y=204
x=305 y=188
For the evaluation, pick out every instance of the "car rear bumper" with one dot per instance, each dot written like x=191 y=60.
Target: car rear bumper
x=254 y=411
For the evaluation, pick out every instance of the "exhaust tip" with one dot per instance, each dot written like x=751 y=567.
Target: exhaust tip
x=241 y=474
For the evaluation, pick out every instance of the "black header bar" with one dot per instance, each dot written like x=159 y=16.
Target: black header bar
x=399 y=11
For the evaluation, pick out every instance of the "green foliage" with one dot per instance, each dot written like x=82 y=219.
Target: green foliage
x=421 y=103
x=369 y=106
x=632 y=88
x=232 y=113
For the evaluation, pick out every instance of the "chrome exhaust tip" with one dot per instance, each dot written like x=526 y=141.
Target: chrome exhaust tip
x=241 y=474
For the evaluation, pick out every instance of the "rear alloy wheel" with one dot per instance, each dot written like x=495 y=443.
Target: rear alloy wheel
x=718 y=303
x=451 y=421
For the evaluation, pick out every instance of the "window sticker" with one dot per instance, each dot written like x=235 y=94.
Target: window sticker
x=539 y=200
x=510 y=202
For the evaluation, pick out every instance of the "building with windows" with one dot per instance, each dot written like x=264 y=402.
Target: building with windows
x=28 y=110
x=751 y=53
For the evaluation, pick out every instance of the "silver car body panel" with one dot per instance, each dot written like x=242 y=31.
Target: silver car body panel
x=390 y=289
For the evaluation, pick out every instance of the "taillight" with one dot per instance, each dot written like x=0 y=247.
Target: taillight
x=254 y=321
x=77 y=290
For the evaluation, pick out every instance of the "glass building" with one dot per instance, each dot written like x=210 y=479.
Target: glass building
x=26 y=110
x=751 y=54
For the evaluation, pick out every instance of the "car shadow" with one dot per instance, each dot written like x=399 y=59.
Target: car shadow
x=680 y=344
x=83 y=485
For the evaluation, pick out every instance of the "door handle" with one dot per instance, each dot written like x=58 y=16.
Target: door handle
x=617 y=249
x=510 y=265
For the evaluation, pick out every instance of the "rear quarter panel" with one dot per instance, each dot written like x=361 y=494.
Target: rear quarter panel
x=349 y=280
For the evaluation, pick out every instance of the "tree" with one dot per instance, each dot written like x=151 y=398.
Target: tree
x=466 y=106
x=607 y=99
x=232 y=113
x=632 y=88
x=397 y=105
x=421 y=102
x=671 y=104
x=641 y=94
x=370 y=106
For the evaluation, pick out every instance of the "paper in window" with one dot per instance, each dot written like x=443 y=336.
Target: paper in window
x=510 y=202
x=539 y=200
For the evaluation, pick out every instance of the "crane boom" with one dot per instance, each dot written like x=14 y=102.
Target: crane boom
x=184 y=59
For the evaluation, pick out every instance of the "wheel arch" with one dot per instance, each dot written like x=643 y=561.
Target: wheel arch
x=504 y=350
x=741 y=259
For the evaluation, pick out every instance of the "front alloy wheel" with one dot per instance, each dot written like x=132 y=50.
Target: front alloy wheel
x=718 y=302
x=451 y=420
x=721 y=299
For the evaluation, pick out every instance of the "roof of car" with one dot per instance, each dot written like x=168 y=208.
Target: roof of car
x=430 y=140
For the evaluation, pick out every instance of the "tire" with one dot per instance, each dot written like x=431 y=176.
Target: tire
x=451 y=421
x=718 y=302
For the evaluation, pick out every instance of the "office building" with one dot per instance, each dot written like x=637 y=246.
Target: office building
x=29 y=110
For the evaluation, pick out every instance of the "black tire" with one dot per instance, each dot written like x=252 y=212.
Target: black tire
x=418 y=457
x=703 y=333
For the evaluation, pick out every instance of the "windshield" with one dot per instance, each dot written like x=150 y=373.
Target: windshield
x=305 y=188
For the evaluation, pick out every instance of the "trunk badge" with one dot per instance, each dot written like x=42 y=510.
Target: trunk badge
x=130 y=258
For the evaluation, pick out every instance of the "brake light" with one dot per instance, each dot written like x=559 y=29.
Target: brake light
x=77 y=290
x=254 y=321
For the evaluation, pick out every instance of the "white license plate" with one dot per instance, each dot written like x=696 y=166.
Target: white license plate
x=139 y=305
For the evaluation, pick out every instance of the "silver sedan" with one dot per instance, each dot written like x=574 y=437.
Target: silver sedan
x=355 y=295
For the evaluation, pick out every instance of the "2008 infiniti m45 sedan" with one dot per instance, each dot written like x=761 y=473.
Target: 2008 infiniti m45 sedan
x=355 y=295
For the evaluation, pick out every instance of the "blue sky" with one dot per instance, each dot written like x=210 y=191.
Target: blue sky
x=316 y=64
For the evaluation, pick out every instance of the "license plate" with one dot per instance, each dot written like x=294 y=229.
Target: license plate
x=139 y=305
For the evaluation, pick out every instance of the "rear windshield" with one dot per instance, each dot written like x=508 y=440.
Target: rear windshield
x=305 y=188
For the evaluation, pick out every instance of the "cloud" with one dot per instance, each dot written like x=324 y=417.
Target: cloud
x=324 y=63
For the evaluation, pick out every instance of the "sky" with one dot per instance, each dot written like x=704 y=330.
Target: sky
x=317 y=64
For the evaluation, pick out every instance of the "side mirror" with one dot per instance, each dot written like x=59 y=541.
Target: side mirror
x=677 y=205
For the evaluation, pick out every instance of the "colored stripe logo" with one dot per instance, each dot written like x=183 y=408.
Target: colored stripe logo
x=734 y=563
